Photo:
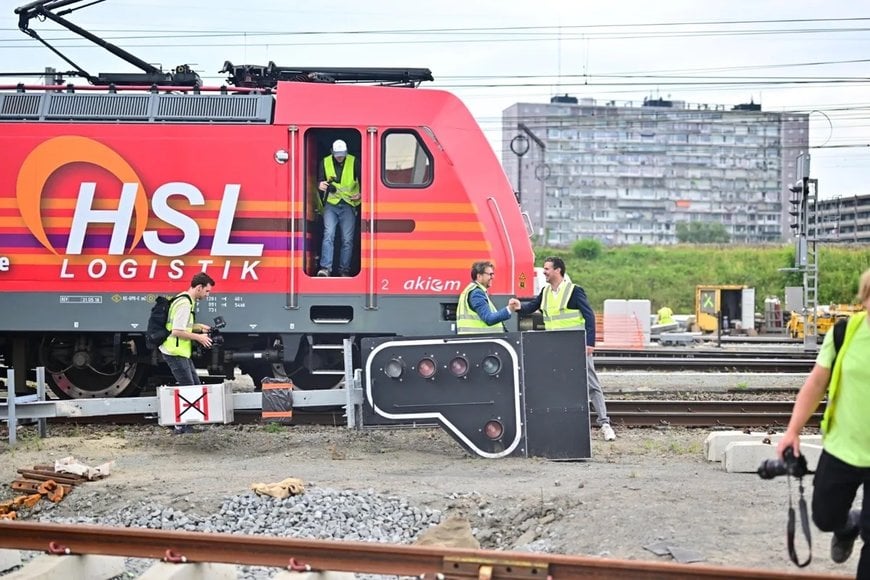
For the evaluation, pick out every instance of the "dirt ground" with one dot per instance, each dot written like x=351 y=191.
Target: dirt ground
x=649 y=486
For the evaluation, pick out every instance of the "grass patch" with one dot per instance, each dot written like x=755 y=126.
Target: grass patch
x=667 y=275
x=274 y=428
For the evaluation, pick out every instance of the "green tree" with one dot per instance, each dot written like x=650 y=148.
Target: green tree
x=702 y=233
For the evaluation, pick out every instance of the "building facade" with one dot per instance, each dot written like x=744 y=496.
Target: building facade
x=629 y=174
x=843 y=220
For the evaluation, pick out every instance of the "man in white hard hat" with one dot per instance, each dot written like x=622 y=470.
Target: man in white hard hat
x=339 y=181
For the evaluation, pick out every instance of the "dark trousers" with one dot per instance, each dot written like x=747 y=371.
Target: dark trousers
x=183 y=370
x=834 y=488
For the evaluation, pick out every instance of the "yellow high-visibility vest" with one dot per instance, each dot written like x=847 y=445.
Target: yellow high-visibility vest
x=175 y=345
x=346 y=186
x=557 y=315
x=467 y=320
x=666 y=315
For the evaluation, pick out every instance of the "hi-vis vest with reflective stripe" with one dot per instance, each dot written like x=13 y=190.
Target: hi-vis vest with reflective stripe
x=346 y=186
x=175 y=345
x=557 y=315
x=467 y=320
x=834 y=382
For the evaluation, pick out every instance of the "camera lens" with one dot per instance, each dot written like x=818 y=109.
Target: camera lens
x=771 y=468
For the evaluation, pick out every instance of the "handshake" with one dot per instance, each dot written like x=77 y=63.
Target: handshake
x=513 y=304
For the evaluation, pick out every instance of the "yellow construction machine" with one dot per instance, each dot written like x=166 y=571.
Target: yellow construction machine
x=825 y=318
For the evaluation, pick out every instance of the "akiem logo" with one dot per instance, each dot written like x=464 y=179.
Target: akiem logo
x=132 y=201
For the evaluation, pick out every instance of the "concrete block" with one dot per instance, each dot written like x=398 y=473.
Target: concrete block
x=190 y=571
x=717 y=441
x=287 y=575
x=746 y=456
x=48 y=567
x=9 y=559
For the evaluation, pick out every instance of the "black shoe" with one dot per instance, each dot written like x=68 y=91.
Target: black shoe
x=345 y=274
x=841 y=546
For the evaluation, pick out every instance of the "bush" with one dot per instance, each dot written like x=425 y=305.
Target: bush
x=587 y=249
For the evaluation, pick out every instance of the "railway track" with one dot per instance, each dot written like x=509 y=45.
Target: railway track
x=651 y=413
x=756 y=360
x=425 y=562
x=624 y=412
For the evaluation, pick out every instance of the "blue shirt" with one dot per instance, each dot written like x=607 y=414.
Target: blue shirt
x=480 y=304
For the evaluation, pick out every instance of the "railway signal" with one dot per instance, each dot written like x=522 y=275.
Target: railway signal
x=497 y=395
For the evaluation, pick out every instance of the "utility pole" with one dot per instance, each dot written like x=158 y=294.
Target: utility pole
x=542 y=174
x=804 y=201
x=520 y=146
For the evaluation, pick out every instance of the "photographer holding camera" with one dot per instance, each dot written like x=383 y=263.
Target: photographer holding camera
x=184 y=331
x=339 y=181
x=844 y=464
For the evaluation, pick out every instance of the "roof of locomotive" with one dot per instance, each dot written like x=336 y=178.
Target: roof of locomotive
x=342 y=105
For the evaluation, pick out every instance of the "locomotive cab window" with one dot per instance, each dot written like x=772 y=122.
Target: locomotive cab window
x=406 y=161
x=334 y=182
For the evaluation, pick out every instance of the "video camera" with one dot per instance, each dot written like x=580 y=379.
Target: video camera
x=796 y=466
x=214 y=333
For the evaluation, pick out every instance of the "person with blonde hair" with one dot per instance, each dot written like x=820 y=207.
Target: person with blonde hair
x=842 y=370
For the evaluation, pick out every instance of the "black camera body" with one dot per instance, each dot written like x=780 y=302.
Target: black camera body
x=330 y=185
x=796 y=466
x=214 y=333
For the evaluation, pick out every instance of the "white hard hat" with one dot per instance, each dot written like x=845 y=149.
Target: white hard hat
x=339 y=148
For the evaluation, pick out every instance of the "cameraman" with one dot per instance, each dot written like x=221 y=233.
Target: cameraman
x=178 y=347
x=844 y=464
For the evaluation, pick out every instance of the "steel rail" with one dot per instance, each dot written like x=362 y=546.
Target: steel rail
x=648 y=413
x=728 y=363
x=362 y=557
x=706 y=420
x=702 y=406
x=739 y=354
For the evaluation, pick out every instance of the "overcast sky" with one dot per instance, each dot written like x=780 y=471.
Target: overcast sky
x=802 y=55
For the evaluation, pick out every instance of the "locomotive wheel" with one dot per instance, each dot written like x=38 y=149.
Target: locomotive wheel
x=79 y=367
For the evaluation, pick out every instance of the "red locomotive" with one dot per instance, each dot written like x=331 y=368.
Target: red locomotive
x=118 y=191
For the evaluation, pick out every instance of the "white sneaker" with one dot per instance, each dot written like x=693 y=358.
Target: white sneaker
x=607 y=432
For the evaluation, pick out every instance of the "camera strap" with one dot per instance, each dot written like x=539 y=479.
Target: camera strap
x=805 y=525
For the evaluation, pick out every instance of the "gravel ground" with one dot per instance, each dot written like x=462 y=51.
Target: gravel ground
x=649 y=486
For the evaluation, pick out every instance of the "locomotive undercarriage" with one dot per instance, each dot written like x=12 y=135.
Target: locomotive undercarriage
x=117 y=365
x=81 y=366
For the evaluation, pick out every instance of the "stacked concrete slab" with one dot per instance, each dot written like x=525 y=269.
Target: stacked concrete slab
x=742 y=452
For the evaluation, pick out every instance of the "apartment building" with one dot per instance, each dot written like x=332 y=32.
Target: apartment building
x=842 y=220
x=629 y=173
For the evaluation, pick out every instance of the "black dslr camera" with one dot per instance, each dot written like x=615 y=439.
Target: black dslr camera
x=788 y=465
x=214 y=333
x=330 y=185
